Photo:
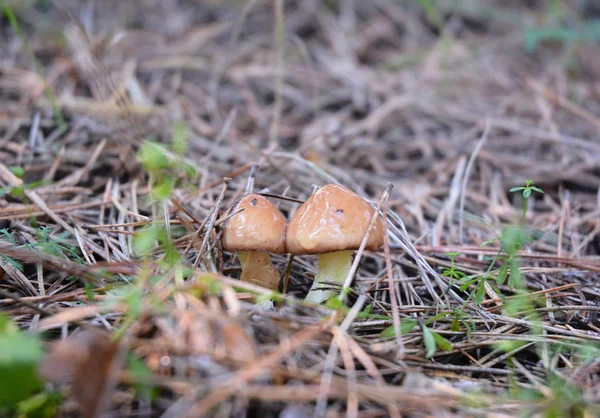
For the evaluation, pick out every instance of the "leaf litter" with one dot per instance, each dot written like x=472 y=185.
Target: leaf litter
x=110 y=243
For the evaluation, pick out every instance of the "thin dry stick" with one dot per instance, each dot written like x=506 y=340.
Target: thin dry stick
x=252 y=370
x=363 y=244
x=211 y=221
x=279 y=35
x=373 y=371
x=352 y=399
x=445 y=215
x=567 y=104
x=561 y=225
x=21 y=301
x=463 y=189
x=327 y=375
x=392 y=287
x=76 y=176
x=251 y=176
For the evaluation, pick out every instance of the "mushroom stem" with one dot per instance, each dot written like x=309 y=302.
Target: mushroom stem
x=333 y=267
x=257 y=269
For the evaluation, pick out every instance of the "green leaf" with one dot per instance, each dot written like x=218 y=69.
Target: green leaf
x=146 y=238
x=41 y=405
x=512 y=239
x=519 y=303
x=17 y=171
x=89 y=291
x=179 y=138
x=335 y=303
x=388 y=332
x=485 y=243
x=526 y=193
x=465 y=286
x=152 y=157
x=142 y=377
x=589 y=351
x=441 y=342
x=459 y=274
x=454 y=325
x=18 y=191
x=431 y=12
x=407 y=325
x=428 y=342
x=19 y=355
x=438 y=316
x=508 y=345
x=503 y=297
x=479 y=294
x=162 y=190
x=537 y=189
x=502 y=273
x=516 y=189
x=515 y=279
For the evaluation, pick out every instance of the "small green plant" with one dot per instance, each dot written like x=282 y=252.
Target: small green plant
x=7 y=236
x=512 y=239
x=141 y=377
x=335 y=303
x=20 y=386
x=564 y=399
x=166 y=168
x=432 y=340
x=166 y=165
x=526 y=190
x=452 y=272
x=459 y=318
x=432 y=13
x=57 y=245
x=18 y=192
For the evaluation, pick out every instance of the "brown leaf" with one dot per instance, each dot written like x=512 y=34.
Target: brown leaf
x=89 y=357
x=220 y=336
x=238 y=344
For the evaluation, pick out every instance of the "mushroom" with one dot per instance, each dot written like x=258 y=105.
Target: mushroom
x=332 y=224
x=258 y=229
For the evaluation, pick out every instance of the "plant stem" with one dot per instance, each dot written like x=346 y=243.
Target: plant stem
x=524 y=212
x=333 y=267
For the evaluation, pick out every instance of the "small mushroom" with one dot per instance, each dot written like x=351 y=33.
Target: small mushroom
x=332 y=224
x=255 y=228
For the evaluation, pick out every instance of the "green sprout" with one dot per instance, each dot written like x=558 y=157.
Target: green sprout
x=527 y=189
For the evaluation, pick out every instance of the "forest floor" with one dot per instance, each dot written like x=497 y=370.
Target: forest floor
x=128 y=128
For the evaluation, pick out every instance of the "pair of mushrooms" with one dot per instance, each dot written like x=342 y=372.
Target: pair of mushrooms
x=330 y=224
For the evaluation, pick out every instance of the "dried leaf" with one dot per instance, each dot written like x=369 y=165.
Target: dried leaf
x=238 y=344
x=89 y=357
x=221 y=336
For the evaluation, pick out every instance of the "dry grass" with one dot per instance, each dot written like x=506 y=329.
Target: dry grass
x=365 y=94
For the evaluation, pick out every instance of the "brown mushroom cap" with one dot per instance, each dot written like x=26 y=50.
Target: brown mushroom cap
x=332 y=219
x=259 y=227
